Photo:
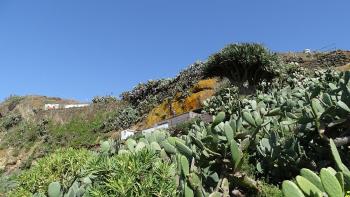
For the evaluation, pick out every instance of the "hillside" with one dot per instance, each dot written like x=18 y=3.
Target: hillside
x=274 y=114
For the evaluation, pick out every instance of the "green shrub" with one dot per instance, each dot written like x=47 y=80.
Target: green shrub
x=121 y=119
x=226 y=100
x=21 y=136
x=141 y=173
x=329 y=182
x=6 y=183
x=104 y=99
x=279 y=156
x=62 y=165
x=269 y=190
x=75 y=133
x=243 y=62
x=13 y=101
x=10 y=120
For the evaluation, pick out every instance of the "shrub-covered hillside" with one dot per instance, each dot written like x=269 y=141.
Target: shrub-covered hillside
x=279 y=129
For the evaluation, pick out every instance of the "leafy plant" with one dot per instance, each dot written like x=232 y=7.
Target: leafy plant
x=199 y=156
x=226 y=100
x=330 y=182
x=104 y=99
x=10 y=120
x=13 y=101
x=63 y=166
x=243 y=62
x=121 y=119
x=140 y=173
x=75 y=133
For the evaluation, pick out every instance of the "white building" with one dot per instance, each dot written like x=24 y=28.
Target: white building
x=64 y=106
x=76 y=105
x=51 y=106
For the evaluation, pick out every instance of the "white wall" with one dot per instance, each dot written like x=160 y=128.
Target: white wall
x=51 y=106
x=150 y=130
x=75 y=105
x=59 y=106
x=126 y=133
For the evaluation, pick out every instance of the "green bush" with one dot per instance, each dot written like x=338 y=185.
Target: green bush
x=121 y=119
x=104 y=99
x=329 y=182
x=226 y=100
x=13 y=101
x=75 y=133
x=10 y=120
x=6 y=183
x=243 y=62
x=21 y=136
x=141 y=173
x=63 y=166
x=268 y=190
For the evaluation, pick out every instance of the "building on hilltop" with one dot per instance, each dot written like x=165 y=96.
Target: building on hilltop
x=65 y=106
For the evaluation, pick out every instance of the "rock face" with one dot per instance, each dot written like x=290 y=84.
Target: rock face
x=344 y=68
x=178 y=105
x=324 y=59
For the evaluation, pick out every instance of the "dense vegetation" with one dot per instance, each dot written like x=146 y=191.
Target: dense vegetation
x=284 y=122
x=243 y=62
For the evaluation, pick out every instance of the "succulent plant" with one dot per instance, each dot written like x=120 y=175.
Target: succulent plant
x=54 y=189
x=329 y=182
x=226 y=100
x=77 y=189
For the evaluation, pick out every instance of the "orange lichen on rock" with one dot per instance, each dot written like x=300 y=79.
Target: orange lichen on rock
x=169 y=108
x=206 y=84
x=177 y=107
x=159 y=113
x=194 y=101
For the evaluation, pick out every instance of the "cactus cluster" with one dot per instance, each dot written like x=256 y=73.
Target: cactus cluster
x=330 y=182
x=199 y=156
x=77 y=189
x=280 y=130
x=289 y=122
x=226 y=100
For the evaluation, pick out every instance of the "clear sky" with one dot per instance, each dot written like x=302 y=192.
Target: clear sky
x=82 y=48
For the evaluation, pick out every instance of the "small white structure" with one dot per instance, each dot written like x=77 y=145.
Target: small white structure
x=150 y=130
x=51 y=106
x=307 y=51
x=76 y=105
x=126 y=133
x=63 y=106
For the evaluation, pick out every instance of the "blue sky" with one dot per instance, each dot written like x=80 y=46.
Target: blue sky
x=82 y=48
